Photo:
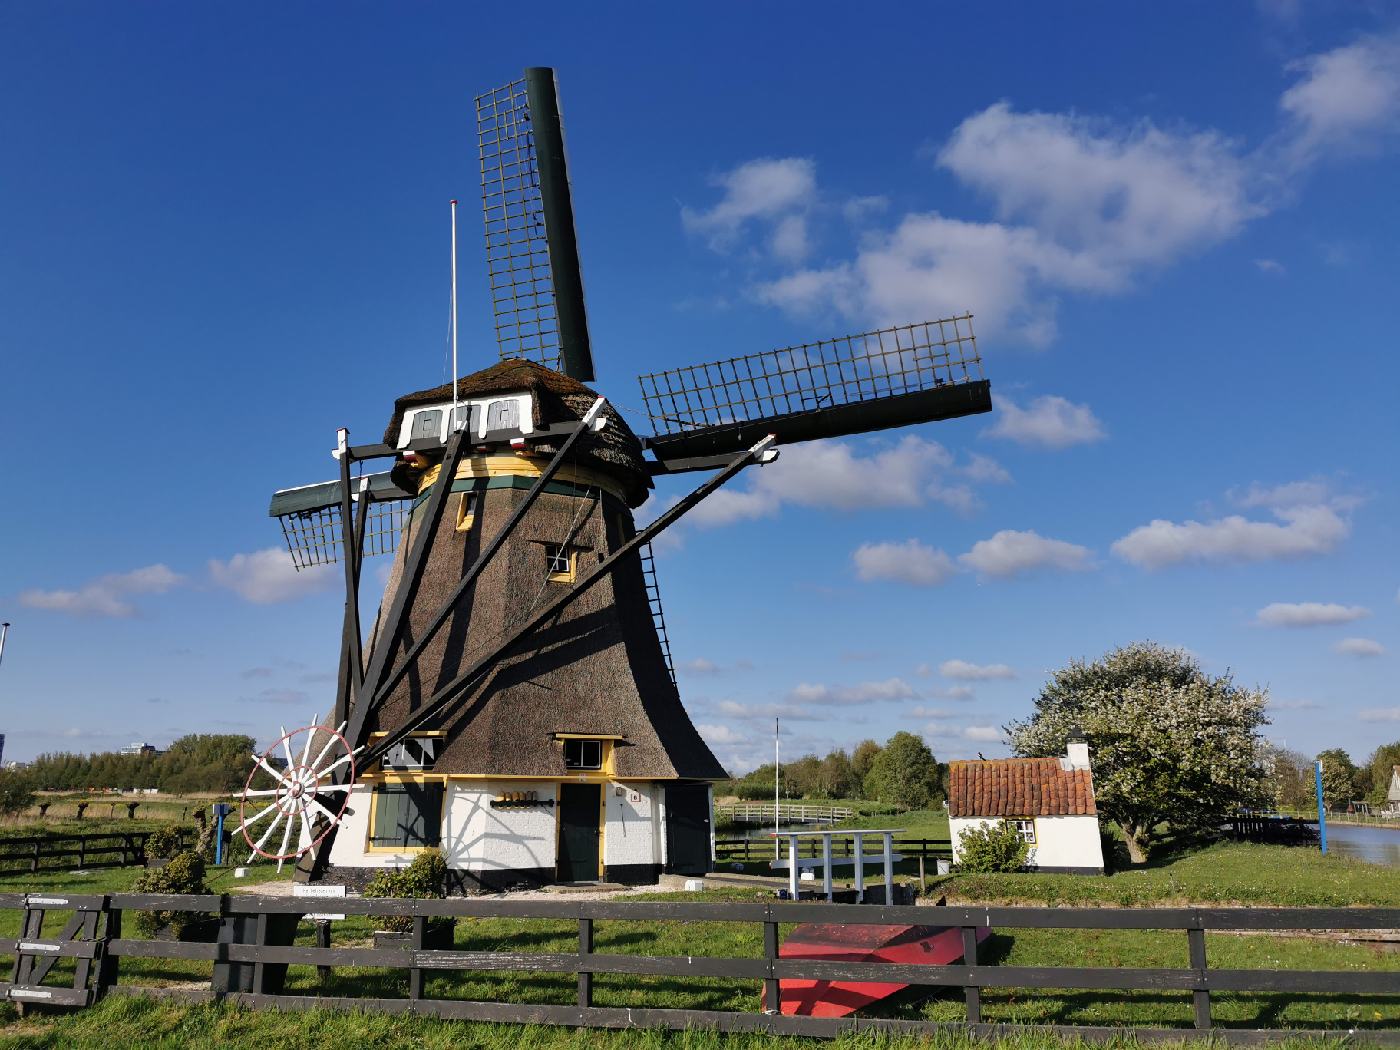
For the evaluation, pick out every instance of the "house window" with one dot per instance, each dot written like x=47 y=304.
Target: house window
x=583 y=754
x=406 y=816
x=559 y=563
x=1025 y=828
x=466 y=511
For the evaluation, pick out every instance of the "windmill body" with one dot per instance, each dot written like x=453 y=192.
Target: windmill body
x=513 y=703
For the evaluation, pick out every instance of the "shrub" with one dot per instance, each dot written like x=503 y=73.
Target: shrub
x=184 y=874
x=994 y=846
x=163 y=842
x=16 y=792
x=1115 y=850
x=424 y=879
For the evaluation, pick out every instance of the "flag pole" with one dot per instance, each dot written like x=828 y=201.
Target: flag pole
x=452 y=425
x=777 y=842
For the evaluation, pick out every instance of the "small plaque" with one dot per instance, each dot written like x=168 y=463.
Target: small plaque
x=300 y=889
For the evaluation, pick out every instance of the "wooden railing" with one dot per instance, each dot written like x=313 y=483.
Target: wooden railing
x=38 y=853
x=254 y=949
x=788 y=813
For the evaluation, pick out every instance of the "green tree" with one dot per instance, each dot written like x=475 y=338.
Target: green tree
x=904 y=773
x=862 y=758
x=837 y=776
x=1377 y=773
x=1288 y=777
x=1338 y=778
x=1169 y=744
x=16 y=792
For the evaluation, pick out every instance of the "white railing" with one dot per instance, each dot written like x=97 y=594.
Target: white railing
x=788 y=813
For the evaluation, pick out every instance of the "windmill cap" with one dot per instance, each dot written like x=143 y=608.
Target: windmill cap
x=555 y=398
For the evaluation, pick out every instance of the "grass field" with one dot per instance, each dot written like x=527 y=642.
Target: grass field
x=1227 y=873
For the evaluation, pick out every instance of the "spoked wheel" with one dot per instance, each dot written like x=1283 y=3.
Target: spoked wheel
x=285 y=803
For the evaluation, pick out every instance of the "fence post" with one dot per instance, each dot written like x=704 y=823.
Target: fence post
x=34 y=864
x=108 y=966
x=1200 y=1000
x=772 y=992
x=82 y=851
x=415 y=973
x=585 y=949
x=971 y=993
x=323 y=940
x=259 y=939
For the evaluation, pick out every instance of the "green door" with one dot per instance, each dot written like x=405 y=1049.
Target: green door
x=580 y=808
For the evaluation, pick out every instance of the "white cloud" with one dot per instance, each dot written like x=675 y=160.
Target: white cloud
x=985 y=469
x=1294 y=705
x=699 y=666
x=1380 y=714
x=1010 y=553
x=1309 y=614
x=1312 y=492
x=861 y=693
x=1300 y=531
x=268 y=576
x=834 y=475
x=774 y=191
x=1346 y=98
x=1049 y=421
x=1270 y=266
x=107 y=595
x=1362 y=647
x=984 y=733
x=909 y=562
x=766 y=712
x=970 y=672
x=718 y=734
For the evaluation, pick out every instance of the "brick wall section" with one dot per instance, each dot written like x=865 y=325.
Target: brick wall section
x=1019 y=787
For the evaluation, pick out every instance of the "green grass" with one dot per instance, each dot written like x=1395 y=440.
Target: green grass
x=1226 y=873
x=1230 y=873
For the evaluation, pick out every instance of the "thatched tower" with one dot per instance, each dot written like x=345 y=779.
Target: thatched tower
x=574 y=759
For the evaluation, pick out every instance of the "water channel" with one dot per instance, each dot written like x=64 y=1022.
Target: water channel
x=1377 y=845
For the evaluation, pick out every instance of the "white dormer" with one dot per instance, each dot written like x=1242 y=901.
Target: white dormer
x=509 y=412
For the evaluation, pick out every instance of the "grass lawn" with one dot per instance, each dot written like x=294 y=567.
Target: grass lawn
x=1227 y=873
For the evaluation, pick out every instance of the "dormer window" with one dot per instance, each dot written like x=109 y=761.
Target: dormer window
x=559 y=563
x=583 y=754
x=466 y=511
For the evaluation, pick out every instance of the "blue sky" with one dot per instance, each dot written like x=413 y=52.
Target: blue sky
x=224 y=235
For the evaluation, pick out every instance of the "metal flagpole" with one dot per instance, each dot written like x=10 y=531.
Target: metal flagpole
x=452 y=425
x=777 y=842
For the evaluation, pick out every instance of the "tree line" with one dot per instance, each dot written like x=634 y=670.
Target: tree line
x=901 y=773
x=1293 y=783
x=198 y=762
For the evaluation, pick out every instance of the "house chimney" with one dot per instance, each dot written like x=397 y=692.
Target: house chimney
x=1077 y=751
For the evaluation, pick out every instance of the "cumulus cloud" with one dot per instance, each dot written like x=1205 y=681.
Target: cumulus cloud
x=1011 y=553
x=773 y=193
x=720 y=734
x=1345 y=99
x=861 y=693
x=835 y=475
x=1048 y=421
x=984 y=733
x=1380 y=714
x=985 y=469
x=1309 y=614
x=1300 y=531
x=970 y=672
x=909 y=562
x=947 y=731
x=1294 y=705
x=106 y=595
x=267 y=577
x=1362 y=647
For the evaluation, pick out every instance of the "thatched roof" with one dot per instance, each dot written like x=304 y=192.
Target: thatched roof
x=557 y=399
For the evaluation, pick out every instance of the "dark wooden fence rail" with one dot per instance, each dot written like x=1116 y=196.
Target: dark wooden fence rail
x=98 y=968
x=760 y=850
x=68 y=852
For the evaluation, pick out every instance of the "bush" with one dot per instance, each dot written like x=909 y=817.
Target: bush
x=424 y=879
x=16 y=792
x=184 y=874
x=1115 y=850
x=994 y=846
x=163 y=842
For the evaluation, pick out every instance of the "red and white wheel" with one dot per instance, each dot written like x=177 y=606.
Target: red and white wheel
x=291 y=794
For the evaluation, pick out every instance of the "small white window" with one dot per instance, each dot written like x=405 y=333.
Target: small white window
x=583 y=754
x=559 y=562
x=1024 y=828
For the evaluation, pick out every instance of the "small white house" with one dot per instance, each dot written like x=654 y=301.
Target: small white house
x=1050 y=801
x=1392 y=797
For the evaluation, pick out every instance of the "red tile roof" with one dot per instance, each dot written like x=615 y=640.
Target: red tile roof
x=1018 y=787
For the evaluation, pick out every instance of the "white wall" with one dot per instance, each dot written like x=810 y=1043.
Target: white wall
x=481 y=838
x=632 y=834
x=1060 y=842
x=348 y=851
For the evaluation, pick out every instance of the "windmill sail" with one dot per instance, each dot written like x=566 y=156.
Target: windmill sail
x=531 y=245
x=856 y=383
x=310 y=520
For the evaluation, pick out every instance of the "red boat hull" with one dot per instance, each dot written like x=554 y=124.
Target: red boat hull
x=918 y=945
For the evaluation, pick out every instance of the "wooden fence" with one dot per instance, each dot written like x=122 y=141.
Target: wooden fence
x=761 y=850
x=252 y=972
x=74 y=852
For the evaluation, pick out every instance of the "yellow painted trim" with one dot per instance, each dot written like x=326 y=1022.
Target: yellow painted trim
x=465 y=517
x=501 y=465
x=424 y=732
x=588 y=736
x=551 y=551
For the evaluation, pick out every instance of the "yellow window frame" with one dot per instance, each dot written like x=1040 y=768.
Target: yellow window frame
x=384 y=781
x=553 y=552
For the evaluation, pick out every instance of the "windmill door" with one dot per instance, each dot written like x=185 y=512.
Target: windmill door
x=580 y=826
x=688 y=829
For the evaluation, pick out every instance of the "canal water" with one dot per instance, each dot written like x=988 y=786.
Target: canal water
x=1377 y=845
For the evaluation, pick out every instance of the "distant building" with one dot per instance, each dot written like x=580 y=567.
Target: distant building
x=1050 y=802
x=1392 y=797
x=141 y=749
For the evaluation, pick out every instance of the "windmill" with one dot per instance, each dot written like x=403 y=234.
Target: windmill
x=514 y=704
